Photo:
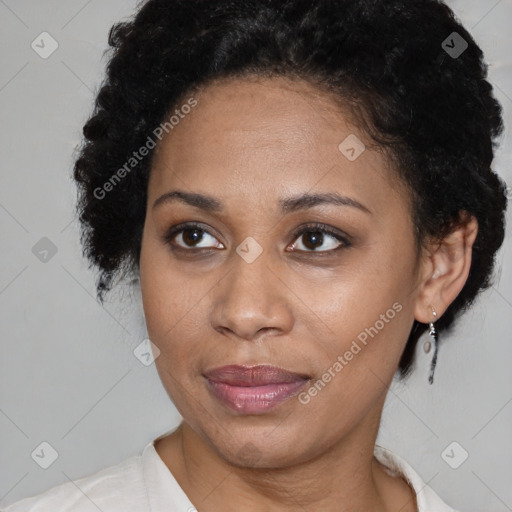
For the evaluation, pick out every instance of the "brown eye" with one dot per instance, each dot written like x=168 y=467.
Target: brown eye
x=191 y=236
x=311 y=238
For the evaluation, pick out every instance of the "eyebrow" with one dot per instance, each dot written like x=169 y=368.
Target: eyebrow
x=287 y=205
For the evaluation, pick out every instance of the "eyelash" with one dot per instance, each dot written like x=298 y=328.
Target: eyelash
x=310 y=228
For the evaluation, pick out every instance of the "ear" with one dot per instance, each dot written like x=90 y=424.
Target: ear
x=444 y=269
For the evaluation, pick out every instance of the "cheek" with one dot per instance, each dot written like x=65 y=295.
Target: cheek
x=173 y=331
x=165 y=294
x=368 y=311
x=167 y=302
x=368 y=325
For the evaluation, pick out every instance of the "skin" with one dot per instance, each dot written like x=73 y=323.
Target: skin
x=249 y=143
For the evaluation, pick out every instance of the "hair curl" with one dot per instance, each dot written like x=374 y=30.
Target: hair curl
x=436 y=115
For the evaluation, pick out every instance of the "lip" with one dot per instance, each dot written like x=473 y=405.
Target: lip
x=253 y=389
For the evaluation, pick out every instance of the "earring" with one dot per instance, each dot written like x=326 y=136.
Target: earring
x=435 y=338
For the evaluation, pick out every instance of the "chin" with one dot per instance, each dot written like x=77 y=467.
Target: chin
x=262 y=448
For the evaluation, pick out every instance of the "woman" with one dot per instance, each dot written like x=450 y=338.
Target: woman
x=304 y=188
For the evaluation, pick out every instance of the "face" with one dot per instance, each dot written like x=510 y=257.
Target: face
x=259 y=274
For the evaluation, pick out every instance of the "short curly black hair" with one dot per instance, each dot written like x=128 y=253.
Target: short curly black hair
x=416 y=88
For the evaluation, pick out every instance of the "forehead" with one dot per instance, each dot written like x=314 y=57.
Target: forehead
x=250 y=136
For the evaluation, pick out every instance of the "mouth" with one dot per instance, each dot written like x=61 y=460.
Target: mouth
x=254 y=389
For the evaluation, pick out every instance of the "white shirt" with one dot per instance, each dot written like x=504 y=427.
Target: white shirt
x=143 y=483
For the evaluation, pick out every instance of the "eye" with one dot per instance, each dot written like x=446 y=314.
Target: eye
x=192 y=237
x=316 y=238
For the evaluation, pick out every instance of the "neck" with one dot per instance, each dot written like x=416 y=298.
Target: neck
x=344 y=478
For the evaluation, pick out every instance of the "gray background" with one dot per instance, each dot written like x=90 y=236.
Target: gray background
x=68 y=375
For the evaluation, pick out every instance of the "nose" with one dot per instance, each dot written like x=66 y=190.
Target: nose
x=252 y=300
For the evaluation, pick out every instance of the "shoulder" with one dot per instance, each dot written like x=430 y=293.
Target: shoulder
x=426 y=497
x=115 y=488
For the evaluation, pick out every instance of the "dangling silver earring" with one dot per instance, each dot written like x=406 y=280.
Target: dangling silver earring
x=435 y=338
